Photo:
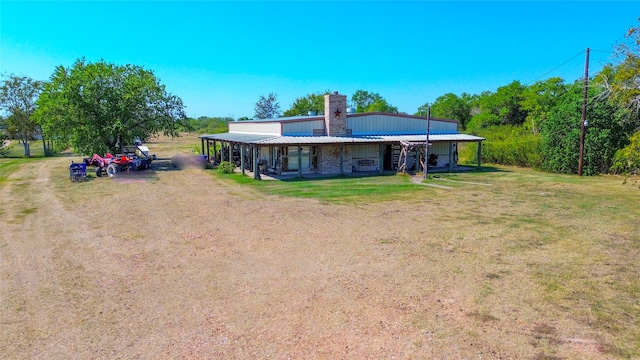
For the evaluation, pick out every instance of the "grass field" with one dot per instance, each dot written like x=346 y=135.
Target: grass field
x=502 y=263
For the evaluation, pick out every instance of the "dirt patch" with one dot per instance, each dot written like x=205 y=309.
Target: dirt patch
x=184 y=265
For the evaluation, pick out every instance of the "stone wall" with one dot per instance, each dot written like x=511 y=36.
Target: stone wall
x=335 y=114
x=329 y=159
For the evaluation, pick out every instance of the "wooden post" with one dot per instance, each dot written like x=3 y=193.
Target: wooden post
x=299 y=161
x=242 y=158
x=256 y=170
x=450 y=157
x=208 y=151
x=426 y=145
x=202 y=143
x=479 y=153
x=381 y=159
x=584 y=112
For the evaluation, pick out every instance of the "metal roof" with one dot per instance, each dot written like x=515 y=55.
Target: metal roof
x=319 y=140
x=321 y=117
x=239 y=137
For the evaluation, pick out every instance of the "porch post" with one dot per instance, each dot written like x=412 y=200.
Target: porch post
x=242 y=158
x=299 y=161
x=215 y=154
x=479 y=152
x=202 y=140
x=450 y=157
x=256 y=171
x=381 y=157
x=341 y=159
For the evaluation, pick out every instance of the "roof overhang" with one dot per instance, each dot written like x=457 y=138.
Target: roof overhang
x=268 y=140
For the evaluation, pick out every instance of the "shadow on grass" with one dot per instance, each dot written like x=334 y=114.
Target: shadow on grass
x=309 y=177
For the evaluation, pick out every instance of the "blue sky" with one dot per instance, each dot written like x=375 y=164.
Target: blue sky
x=219 y=57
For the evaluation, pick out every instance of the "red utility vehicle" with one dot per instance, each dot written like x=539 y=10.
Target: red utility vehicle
x=132 y=158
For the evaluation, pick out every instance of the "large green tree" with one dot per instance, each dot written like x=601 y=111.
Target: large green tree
x=18 y=96
x=267 y=107
x=538 y=100
x=303 y=105
x=452 y=106
x=365 y=101
x=100 y=106
x=500 y=108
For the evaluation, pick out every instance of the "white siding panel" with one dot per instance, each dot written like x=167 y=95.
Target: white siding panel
x=255 y=128
x=301 y=128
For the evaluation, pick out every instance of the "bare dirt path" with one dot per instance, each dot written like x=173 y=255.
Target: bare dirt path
x=186 y=266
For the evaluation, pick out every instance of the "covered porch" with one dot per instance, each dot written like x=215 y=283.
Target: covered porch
x=321 y=156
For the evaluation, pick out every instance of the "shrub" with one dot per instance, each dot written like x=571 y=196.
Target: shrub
x=226 y=167
x=507 y=145
x=627 y=159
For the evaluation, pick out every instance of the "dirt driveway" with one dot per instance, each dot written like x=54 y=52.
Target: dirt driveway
x=187 y=266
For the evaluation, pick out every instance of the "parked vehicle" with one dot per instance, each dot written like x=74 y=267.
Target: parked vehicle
x=133 y=158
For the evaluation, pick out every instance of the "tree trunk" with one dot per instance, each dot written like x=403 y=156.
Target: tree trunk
x=44 y=143
x=27 y=150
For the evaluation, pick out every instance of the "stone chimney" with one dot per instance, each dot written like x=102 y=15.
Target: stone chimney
x=335 y=114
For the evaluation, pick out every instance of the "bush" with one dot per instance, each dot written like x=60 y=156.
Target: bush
x=627 y=159
x=561 y=137
x=506 y=145
x=226 y=167
x=4 y=147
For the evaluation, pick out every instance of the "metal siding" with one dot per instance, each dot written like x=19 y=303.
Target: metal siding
x=439 y=149
x=443 y=127
x=365 y=151
x=257 y=128
x=301 y=128
x=384 y=124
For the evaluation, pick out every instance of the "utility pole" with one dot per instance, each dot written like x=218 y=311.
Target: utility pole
x=426 y=145
x=584 y=112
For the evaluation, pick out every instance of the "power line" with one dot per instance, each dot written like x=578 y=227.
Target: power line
x=557 y=67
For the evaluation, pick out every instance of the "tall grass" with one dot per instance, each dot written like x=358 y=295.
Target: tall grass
x=505 y=145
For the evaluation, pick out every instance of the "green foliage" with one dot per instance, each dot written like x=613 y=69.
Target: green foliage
x=226 y=167
x=622 y=80
x=627 y=159
x=450 y=106
x=365 y=101
x=539 y=99
x=507 y=145
x=500 y=108
x=483 y=120
x=303 y=105
x=604 y=135
x=208 y=125
x=267 y=107
x=4 y=146
x=18 y=95
x=98 y=106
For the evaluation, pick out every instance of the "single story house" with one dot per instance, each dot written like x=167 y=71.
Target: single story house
x=339 y=142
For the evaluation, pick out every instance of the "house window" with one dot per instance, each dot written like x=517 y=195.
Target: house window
x=305 y=155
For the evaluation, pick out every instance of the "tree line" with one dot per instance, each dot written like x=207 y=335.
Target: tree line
x=96 y=107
